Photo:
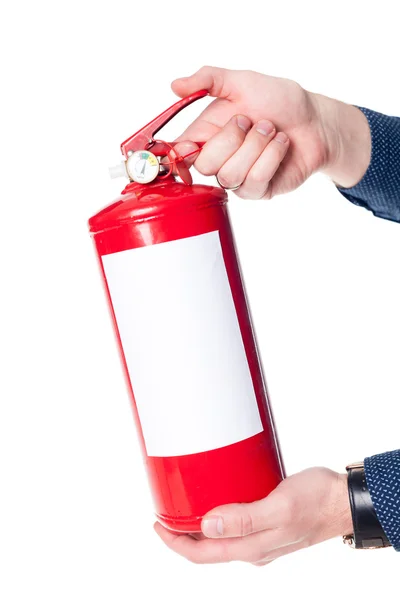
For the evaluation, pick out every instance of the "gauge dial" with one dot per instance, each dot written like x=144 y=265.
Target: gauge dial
x=142 y=166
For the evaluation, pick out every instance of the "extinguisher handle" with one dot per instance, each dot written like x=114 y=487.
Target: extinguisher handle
x=144 y=138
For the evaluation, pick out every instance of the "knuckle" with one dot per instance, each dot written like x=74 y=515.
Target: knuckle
x=259 y=141
x=287 y=510
x=205 y=165
x=204 y=69
x=246 y=525
x=241 y=193
x=225 y=181
x=255 y=188
x=280 y=145
x=279 y=150
x=226 y=178
x=246 y=193
x=294 y=88
x=226 y=555
x=217 y=75
x=258 y=176
x=233 y=138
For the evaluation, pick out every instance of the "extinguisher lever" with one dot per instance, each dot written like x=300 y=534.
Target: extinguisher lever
x=144 y=138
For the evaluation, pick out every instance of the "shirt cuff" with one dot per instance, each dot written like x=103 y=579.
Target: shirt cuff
x=379 y=189
x=382 y=473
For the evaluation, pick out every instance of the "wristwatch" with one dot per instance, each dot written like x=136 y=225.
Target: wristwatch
x=368 y=532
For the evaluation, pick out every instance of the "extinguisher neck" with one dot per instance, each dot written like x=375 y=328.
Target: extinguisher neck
x=133 y=186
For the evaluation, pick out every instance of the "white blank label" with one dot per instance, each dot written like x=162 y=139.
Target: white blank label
x=183 y=346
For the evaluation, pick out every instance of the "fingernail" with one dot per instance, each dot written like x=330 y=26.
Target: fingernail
x=243 y=122
x=265 y=127
x=281 y=137
x=213 y=527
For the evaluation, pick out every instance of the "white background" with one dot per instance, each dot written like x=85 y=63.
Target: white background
x=322 y=277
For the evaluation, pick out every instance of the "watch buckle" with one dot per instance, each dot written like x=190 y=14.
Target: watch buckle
x=355 y=465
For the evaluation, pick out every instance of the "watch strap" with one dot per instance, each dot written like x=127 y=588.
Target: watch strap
x=368 y=532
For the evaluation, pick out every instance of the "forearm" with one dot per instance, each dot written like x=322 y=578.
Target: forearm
x=363 y=155
x=348 y=141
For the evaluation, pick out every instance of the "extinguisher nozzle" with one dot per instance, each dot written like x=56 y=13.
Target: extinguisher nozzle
x=118 y=171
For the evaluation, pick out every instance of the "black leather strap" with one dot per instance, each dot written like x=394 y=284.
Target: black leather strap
x=368 y=532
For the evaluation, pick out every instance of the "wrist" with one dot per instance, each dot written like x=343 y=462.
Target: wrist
x=336 y=519
x=342 y=518
x=347 y=139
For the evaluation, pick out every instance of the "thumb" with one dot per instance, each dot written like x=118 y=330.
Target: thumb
x=213 y=79
x=239 y=520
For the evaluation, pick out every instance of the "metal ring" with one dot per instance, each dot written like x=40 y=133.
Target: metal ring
x=232 y=189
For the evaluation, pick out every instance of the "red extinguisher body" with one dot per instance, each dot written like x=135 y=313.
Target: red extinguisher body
x=185 y=486
x=177 y=299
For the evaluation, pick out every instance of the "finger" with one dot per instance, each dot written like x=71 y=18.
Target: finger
x=184 y=148
x=210 y=121
x=256 y=184
x=236 y=169
x=202 y=128
x=215 y=116
x=196 y=551
x=273 y=513
x=253 y=548
x=212 y=79
x=237 y=520
x=222 y=145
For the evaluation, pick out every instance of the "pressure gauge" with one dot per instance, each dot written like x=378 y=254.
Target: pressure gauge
x=142 y=166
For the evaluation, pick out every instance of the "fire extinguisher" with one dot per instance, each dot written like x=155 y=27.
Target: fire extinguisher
x=173 y=281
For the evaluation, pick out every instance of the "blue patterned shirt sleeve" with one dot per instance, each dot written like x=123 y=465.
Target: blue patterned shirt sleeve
x=379 y=192
x=383 y=479
x=379 y=189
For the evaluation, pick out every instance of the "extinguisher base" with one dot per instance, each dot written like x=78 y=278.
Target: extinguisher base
x=180 y=525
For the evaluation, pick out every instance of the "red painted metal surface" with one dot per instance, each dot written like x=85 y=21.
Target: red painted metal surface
x=184 y=488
